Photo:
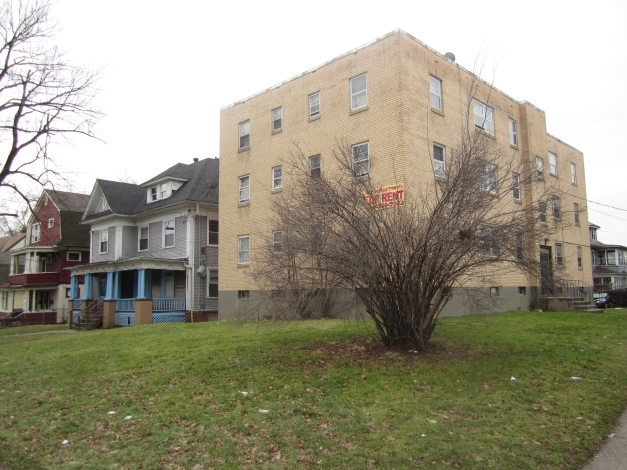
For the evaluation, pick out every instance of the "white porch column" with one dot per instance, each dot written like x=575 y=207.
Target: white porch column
x=190 y=272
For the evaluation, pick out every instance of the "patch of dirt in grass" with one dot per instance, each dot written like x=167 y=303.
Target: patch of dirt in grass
x=372 y=350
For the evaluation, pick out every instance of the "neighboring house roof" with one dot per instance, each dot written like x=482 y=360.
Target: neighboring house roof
x=131 y=199
x=600 y=270
x=72 y=232
x=65 y=201
x=6 y=243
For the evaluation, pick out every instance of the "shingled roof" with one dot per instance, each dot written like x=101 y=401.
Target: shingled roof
x=73 y=202
x=130 y=199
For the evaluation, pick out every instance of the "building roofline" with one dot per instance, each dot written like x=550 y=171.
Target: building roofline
x=562 y=142
x=374 y=41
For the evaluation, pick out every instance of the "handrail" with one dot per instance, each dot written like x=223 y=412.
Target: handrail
x=93 y=307
x=576 y=290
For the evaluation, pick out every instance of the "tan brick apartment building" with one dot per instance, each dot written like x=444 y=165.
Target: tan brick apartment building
x=408 y=103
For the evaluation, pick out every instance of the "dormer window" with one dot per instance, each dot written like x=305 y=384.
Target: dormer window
x=163 y=190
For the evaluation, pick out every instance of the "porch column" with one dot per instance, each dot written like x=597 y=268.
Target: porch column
x=141 y=284
x=89 y=287
x=73 y=287
x=116 y=285
x=109 y=290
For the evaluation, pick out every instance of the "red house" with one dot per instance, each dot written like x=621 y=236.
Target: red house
x=55 y=241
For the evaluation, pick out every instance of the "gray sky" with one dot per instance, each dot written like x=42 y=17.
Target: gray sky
x=171 y=66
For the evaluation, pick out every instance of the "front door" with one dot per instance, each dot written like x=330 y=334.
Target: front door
x=547 y=286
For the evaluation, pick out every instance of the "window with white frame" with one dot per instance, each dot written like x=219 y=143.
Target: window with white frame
x=277 y=114
x=361 y=159
x=573 y=173
x=244 y=189
x=555 y=204
x=142 y=242
x=513 y=133
x=484 y=117
x=552 y=163
x=243 y=249
x=244 y=134
x=540 y=167
x=35 y=232
x=542 y=212
x=168 y=234
x=579 y=257
x=213 y=232
x=277 y=177
x=516 y=186
x=50 y=222
x=104 y=241
x=359 y=92
x=314 y=105
x=164 y=190
x=488 y=178
x=154 y=193
x=73 y=255
x=576 y=213
x=439 y=161
x=489 y=243
x=212 y=284
x=435 y=90
x=277 y=242
x=559 y=256
x=314 y=166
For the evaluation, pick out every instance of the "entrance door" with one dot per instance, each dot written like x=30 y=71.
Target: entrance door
x=546 y=271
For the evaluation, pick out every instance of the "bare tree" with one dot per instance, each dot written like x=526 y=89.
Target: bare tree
x=341 y=234
x=43 y=98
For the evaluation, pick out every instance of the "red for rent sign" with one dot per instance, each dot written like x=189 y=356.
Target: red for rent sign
x=387 y=196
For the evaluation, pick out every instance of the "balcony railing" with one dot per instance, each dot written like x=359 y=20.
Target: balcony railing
x=168 y=305
x=125 y=305
x=33 y=278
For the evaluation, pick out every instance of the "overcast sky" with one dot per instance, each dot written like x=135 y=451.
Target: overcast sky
x=171 y=66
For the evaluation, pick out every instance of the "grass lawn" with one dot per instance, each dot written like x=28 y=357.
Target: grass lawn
x=190 y=395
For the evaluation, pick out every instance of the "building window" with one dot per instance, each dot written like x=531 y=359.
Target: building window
x=35 y=232
x=516 y=186
x=361 y=159
x=359 y=92
x=314 y=105
x=540 y=167
x=277 y=242
x=552 y=163
x=494 y=291
x=542 y=212
x=243 y=249
x=277 y=114
x=277 y=177
x=244 y=189
x=435 y=88
x=484 y=117
x=73 y=255
x=314 y=166
x=576 y=213
x=513 y=133
x=520 y=247
x=154 y=195
x=439 y=163
x=244 y=134
x=213 y=232
x=522 y=290
x=488 y=178
x=168 y=234
x=489 y=243
x=555 y=204
x=573 y=173
x=104 y=241
x=579 y=260
x=212 y=284
x=142 y=239
x=559 y=257
x=50 y=223
x=243 y=294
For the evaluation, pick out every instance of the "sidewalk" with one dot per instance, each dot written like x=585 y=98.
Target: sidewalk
x=613 y=454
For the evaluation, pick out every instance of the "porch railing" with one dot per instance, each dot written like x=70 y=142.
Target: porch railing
x=168 y=305
x=125 y=305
